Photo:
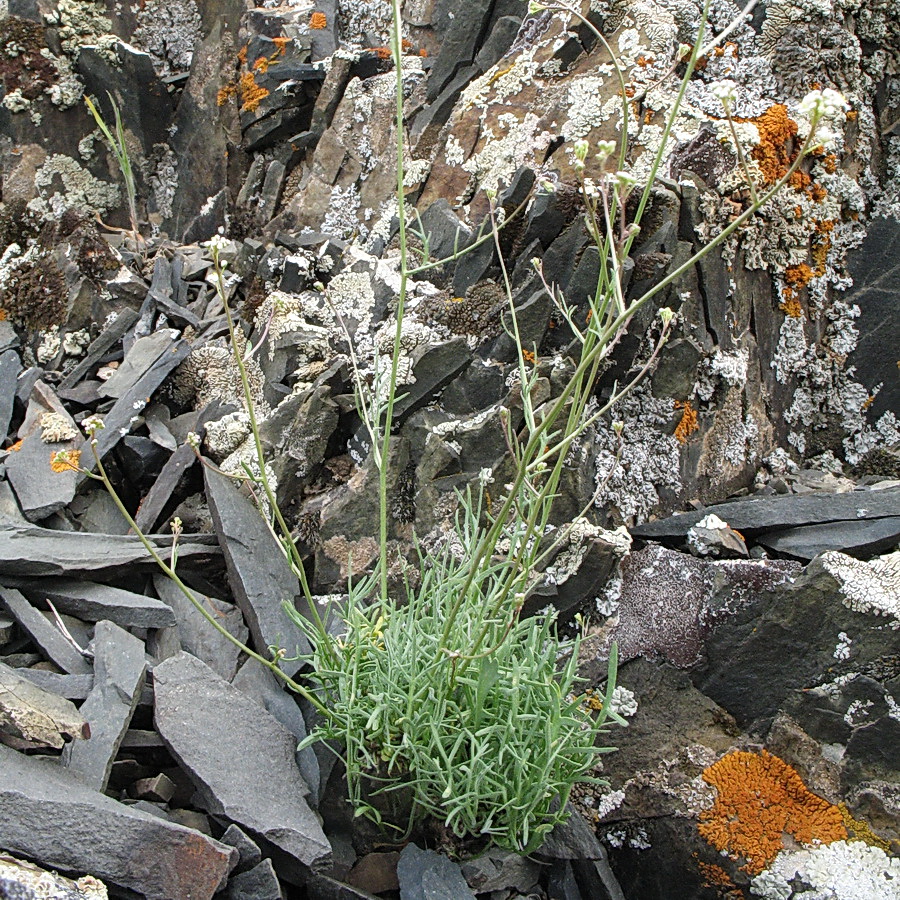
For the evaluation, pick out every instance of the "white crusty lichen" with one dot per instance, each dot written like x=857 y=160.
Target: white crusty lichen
x=56 y=428
x=50 y=345
x=842 y=870
x=15 y=101
x=83 y=23
x=211 y=373
x=577 y=539
x=871 y=586
x=81 y=191
x=225 y=435
x=169 y=31
x=650 y=457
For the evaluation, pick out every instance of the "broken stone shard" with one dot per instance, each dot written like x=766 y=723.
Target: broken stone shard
x=240 y=759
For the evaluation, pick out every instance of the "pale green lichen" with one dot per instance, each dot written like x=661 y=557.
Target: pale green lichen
x=83 y=23
x=169 y=31
x=81 y=191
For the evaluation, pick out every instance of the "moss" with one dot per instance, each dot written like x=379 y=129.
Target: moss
x=760 y=800
x=35 y=296
x=23 y=67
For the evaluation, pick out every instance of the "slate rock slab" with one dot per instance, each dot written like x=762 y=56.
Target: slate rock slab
x=39 y=489
x=259 y=883
x=119 y=672
x=33 y=714
x=867 y=537
x=755 y=515
x=44 y=633
x=426 y=875
x=49 y=815
x=260 y=576
x=40 y=551
x=238 y=756
x=93 y=602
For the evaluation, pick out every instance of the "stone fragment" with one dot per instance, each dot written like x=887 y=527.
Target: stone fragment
x=376 y=872
x=501 y=870
x=40 y=489
x=240 y=759
x=159 y=789
x=111 y=335
x=33 y=714
x=260 y=684
x=92 y=602
x=20 y=880
x=140 y=358
x=10 y=366
x=119 y=671
x=426 y=875
x=258 y=883
x=459 y=45
x=250 y=854
x=72 y=687
x=7 y=626
x=44 y=633
x=41 y=551
x=260 y=576
x=323 y=887
x=862 y=538
x=48 y=814
x=197 y=635
x=755 y=515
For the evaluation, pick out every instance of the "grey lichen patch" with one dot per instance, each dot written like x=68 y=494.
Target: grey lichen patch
x=871 y=586
x=169 y=31
x=56 y=428
x=650 y=458
x=81 y=191
x=82 y=23
x=163 y=178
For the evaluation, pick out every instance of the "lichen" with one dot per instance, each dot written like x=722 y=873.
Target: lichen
x=81 y=191
x=871 y=586
x=82 y=23
x=56 y=428
x=168 y=31
x=759 y=800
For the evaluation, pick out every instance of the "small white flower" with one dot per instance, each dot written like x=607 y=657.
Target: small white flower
x=605 y=149
x=666 y=315
x=581 y=149
x=217 y=243
x=725 y=91
x=92 y=424
x=590 y=188
x=192 y=439
x=825 y=104
x=624 y=181
x=486 y=476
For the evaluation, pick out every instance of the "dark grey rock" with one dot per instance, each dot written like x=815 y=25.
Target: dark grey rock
x=72 y=687
x=438 y=366
x=44 y=633
x=755 y=515
x=119 y=672
x=92 y=602
x=260 y=684
x=240 y=759
x=572 y=839
x=140 y=358
x=30 y=713
x=10 y=366
x=250 y=854
x=40 y=490
x=873 y=266
x=259 y=883
x=459 y=45
x=29 y=550
x=120 y=419
x=260 y=576
x=46 y=813
x=597 y=879
x=498 y=42
x=868 y=537
x=501 y=870
x=426 y=875
x=196 y=635
x=7 y=627
x=561 y=882
x=322 y=887
x=158 y=789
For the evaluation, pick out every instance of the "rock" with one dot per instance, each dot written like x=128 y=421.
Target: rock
x=144 y=353
x=872 y=266
x=426 y=875
x=376 y=872
x=44 y=633
x=713 y=537
x=10 y=366
x=260 y=576
x=119 y=671
x=762 y=514
x=240 y=759
x=864 y=538
x=459 y=46
x=109 y=337
x=249 y=852
x=572 y=839
x=40 y=489
x=92 y=602
x=159 y=789
x=258 y=883
x=20 y=880
x=47 y=814
x=501 y=870
x=322 y=887
x=72 y=687
x=41 y=551
x=196 y=635
x=260 y=684
x=561 y=882
x=32 y=714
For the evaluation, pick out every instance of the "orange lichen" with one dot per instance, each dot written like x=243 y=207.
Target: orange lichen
x=251 y=92
x=852 y=115
x=226 y=93
x=318 y=20
x=242 y=55
x=406 y=45
x=799 y=180
x=791 y=306
x=382 y=52
x=688 y=424
x=817 y=192
x=17 y=446
x=716 y=878
x=280 y=46
x=65 y=461
x=868 y=402
x=423 y=53
x=798 y=276
x=528 y=356
x=776 y=133
x=830 y=164
x=760 y=799
x=261 y=65
x=3 y=314
x=820 y=246
x=644 y=61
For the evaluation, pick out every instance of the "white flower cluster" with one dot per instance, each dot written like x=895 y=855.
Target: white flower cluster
x=824 y=104
x=725 y=91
